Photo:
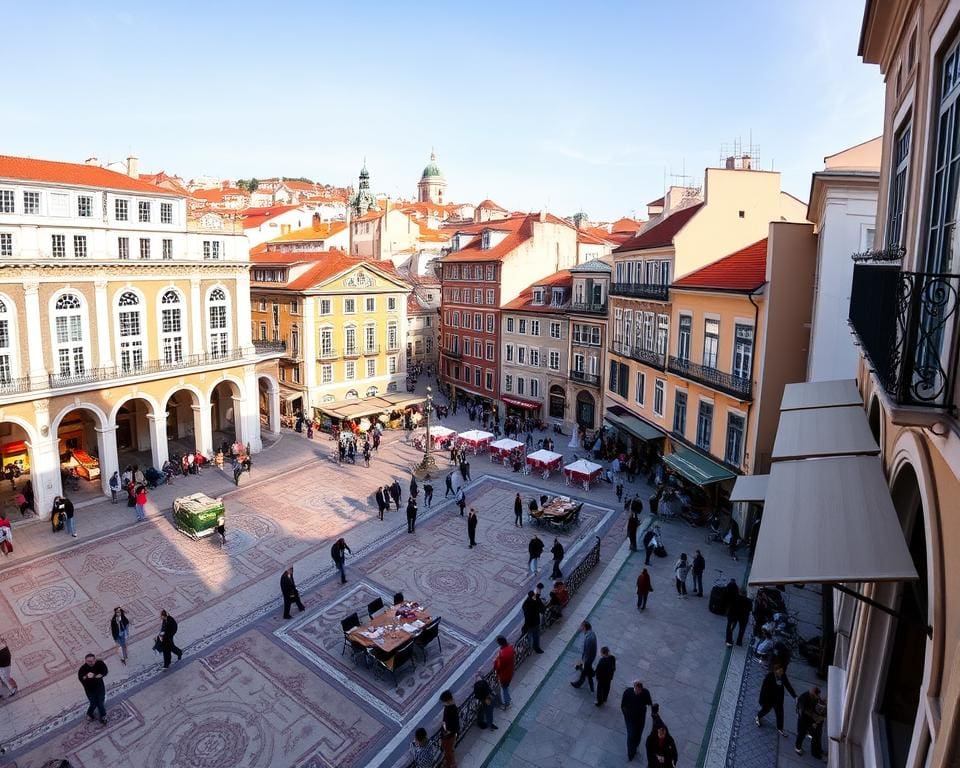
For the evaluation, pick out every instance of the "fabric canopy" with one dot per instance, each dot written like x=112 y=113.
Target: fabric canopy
x=820 y=394
x=544 y=457
x=623 y=419
x=506 y=444
x=698 y=469
x=475 y=436
x=400 y=400
x=289 y=395
x=519 y=402
x=582 y=467
x=807 y=433
x=439 y=432
x=830 y=520
x=750 y=488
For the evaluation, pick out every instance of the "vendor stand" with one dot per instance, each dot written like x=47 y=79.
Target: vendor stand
x=477 y=439
x=544 y=462
x=582 y=471
x=440 y=434
x=503 y=448
x=197 y=515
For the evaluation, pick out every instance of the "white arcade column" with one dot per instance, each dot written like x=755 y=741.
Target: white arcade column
x=203 y=427
x=159 y=448
x=109 y=460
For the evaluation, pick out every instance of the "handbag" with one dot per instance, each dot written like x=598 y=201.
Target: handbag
x=158 y=644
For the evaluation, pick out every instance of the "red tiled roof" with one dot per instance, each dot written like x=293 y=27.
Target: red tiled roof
x=744 y=270
x=490 y=205
x=78 y=174
x=561 y=279
x=254 y=217
x=626 y=224
x=658 y=201
x=583 y=236
x=662 y=234
x=325 y=264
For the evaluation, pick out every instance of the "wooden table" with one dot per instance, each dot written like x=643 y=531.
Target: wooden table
x=393 y=635
x=555 y=508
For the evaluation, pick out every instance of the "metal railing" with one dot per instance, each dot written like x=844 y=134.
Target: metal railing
x=736 y=386
x=10 y=386
x=327 y=354
x=906 y=323
x=653 y=291
x=371 y=349
x=641 y=355
x=469 y=707
x=264 y=347
x=351 y=352
x=589 y=308
x=113 y=372
x=456 y=354
x=585 y=378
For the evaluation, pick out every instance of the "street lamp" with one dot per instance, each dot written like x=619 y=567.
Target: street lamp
x=427 y=465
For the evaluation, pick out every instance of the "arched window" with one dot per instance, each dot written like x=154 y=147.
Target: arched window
x=351 y=395
x=218 y=322
x=372 y=391
x=130 y=332
x=171 y=327
x=393 y=339
x=69 y=344
x=294 y=342
x=7 y=350
x=326 y=342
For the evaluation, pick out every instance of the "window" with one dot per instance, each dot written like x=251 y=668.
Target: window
x=508 y=383
x=211 y=250
x=658 y=396
x=391 y=303
x=648 y=331
x=350 y=370
x=31 y=202
x=350 y=340
x=743 y=351
x=595 y=335
x=171 y=327
x=80 y=246
x=704 y=425
x=326 y=374
x=167 y=245
x=68 y=336
x=477 y=377
x=7 y=201
x=489 y=323
x=218 y=324
x=349 y=306
x=370 y=304
x=534 y=357
x=166 y=213
x=325 y=307
x=294 y=307
x=121 y=209
x=534 y=327
x=557 y=294
x=478 y=349
x=6 y=351
x=663 y=333
x=489 y=350
x=371 y=367
x=488 y=383
x=534 y=388
x=508 y=353
x=326 y=343
x=143 y=211
x=392 y=364
x=683 y=338
x=554 y=330
x=733 y=453
x=521 y=385
x=58 y=246
x=478 y=322
x=6 y=244
x=369 y=339
x=478 y=296
x=521 y=355
x=946 y=157
x=553 y=360
x=84 y=206
x=393 y=341
x=430 y=345
x=538 y=296
x=711 y=343
x=144 y=247
x=262 y=305
x=263 y=333
x=490 y=297
x=490 y=272
x=296 y=374
x=509 y=325
x=680 y=412
x=641 y=387
x=522 y=325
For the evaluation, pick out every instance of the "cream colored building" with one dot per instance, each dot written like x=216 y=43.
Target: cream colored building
x=124 y=326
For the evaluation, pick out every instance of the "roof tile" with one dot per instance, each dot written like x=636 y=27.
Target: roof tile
x=745 y=270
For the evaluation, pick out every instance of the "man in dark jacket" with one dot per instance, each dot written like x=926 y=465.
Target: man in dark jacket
x=730 y=594
x=338 y=555
x=557 y=551
x=428 y=493
x=411 y=515
x=168 y=629
x=533 y=608
x=382 y=502
x=633 y=525
x=517 y=512
x=91 y=676
x=472 y=527
x=414 y=488
x=661 y=748
x=587 y=656
x=288 y=589
x=606 y=666
x=648 y=545
x=449 y=481
x=636 y=506
x=771 y=696
x=699 y=566
x=811 y=712
x=744 y=609
x=395 y=493
x=534 y=549
x=633 y=704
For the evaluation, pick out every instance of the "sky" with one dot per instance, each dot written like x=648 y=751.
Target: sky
x=591 y=107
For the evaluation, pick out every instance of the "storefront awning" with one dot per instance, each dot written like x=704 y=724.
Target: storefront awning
x=621 y=418
x=519 y=402
x=400 y=400
x=698 y=469
x=830 y=520
x=812 y=432
x=750 y=488
x=820 y=394
x=290 y=395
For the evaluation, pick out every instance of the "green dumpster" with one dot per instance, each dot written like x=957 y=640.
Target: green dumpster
x=197 y=515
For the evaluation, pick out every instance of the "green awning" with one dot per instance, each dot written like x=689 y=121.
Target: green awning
x=636 y=427
x=698 y=469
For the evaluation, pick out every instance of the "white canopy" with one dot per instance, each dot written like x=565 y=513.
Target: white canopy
x=582 y=467
x=820 y=394
x=506 y=444
x=475 y=435
x=439 y=432
x=814 y=432
x=543 y=456
x=750 y=488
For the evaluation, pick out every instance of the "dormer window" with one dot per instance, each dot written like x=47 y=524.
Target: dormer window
x=538 y=294
x=485 y=239
x=557 y=297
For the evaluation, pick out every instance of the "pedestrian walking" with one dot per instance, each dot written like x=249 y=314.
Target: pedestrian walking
x=534 y=550
x=141 y=505
x=120 y=631
x=221 y=530
x=449 y=482
x=411 y=515
x=771 y=696
x=649 y=544
x=67 y=509
x=289 y=591
x=518 y=512
x=168 y=630
x=732 y=537
x=731 y=601
x=680 y=570
x=382 y=500
x=6 y=536
x=504 y=665
x=449 y=729
x=633 y=525
x=114 y=487
x=461 y=500
x=483 y=693
x=606 y=666
x=376 y=440
x=744 y=610
x=465 y=470
x=414 y=488
x=424 y=754
x=644 y=588
x=661 y=748
x=338 y=552
x=472 y=527
x=699 y=565
x=6 y=664
x=811 y=712
x=588 y=654
x=427 y=493
x=532 y=609
x=395 y=493
x=619 y=492
x=366 y=455
x=633 y=705
x=557 y=551
x=91 y=676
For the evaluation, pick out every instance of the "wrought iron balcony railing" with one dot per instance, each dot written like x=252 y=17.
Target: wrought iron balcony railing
x=456 y=354
x=585 y=378
x=906 y=323
x=327 y=354
x=110 y=373
x=351 y=352
x=264 y=347
x=653 y=291
x=641 y=355
x=371 y=349
x=736 y=386
x=589 y=308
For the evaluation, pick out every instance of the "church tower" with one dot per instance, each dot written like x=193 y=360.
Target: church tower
x=432 y=187
x=364 y=200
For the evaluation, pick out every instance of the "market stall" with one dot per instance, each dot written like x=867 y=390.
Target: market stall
x=582 y=471
x=197 y=515
x=440 y=434
x=476 y=439
x=545 y=462
x=502 y=449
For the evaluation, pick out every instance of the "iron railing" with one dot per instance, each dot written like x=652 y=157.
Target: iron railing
x=456 y=354
x=523 y=647
x=585 y=378
x=351 y=352
x=589 y=308
x=736 y=386
x=653 y=291
x=371 y=349
x=113 y=372
x=264 y=347
x=327 y=354
x=906 y=323
x=641 y=355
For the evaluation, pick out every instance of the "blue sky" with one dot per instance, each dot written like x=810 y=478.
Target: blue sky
x=570 y=106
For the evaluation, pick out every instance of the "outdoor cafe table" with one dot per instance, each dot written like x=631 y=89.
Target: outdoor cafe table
x=582 y=471
x=503 y=448
x=558 y=507
x=439 y=433
x=475 y=438
x=387 y=632
x=544 y=460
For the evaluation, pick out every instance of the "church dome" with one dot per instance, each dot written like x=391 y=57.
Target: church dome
x=432 y=170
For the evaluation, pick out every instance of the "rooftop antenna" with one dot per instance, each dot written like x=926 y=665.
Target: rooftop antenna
x=735 y=155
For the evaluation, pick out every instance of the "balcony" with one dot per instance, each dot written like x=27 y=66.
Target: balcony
x=652 y=291
x=589 y=308
x=735 y=386
x=371 y=349
x=454 y=354
x=645 y=356
x=264 y=347
x=327 y=353
x=583 y=377
x=351 y=352
x=112 y=373
x=906 y=325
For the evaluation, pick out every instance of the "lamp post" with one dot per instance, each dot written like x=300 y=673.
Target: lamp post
x=427 y=465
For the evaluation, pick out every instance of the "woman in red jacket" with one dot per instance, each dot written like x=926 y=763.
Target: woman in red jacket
x=503 y=665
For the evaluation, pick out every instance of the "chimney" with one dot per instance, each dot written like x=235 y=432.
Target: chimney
x=91 y=161
x=543 y=216
x=133 y=167
x=731 y=163
x=317 y=224
x=745 y=161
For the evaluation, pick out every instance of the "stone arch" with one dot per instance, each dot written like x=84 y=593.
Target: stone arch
x=586 y=409
x=875 y=420
x=93 y=435
x=225 y=398
x=268 y=402
x=140 y=427
x=187 y=419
